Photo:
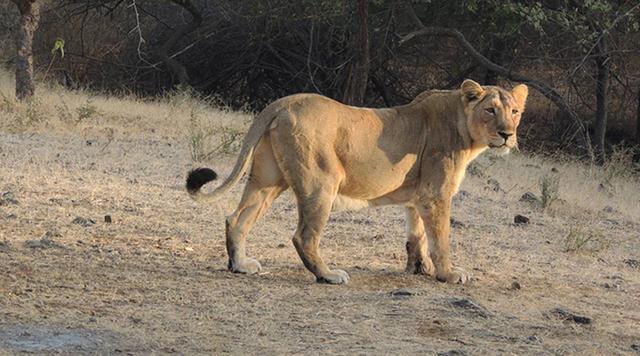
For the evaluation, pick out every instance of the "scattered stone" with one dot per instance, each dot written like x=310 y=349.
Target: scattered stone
x=608 y=209
x=515 y=285
x=529 y=197
x=635 y=347
x=468 y=305
x=281 y=245
x=520 y=219
x=45 y=242
x=7 y=198
x=107 y=219
x=608 y=285
x=533 y=339
x=402 y=292
x=635 y=264
x=461 y=196
x=474 y=170
x=4 y=246
x=567 y=315
x=494 y=185
x=84 y=222
x=554 y=170
x=42 y=244
x=456 y=224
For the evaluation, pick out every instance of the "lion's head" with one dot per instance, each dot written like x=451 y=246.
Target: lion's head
x=493 y=113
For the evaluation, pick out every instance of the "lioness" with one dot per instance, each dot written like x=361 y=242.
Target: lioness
x=336 y=156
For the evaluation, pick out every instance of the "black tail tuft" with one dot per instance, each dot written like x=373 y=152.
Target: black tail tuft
x=199 y=177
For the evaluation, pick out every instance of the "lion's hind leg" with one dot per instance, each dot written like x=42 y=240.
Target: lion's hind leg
x=265 y=184
x=313 y=210
x=418 y=260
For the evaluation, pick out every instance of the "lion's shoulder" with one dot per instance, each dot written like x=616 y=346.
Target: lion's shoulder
x=436 y=94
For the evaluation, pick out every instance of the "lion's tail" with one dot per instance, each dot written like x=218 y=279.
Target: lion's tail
x=201 y=176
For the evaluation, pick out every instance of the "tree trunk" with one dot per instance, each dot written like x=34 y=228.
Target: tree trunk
x=638 y=120
x=177 y=69
x=602 y=86
x=29 y=18
x=356 y=84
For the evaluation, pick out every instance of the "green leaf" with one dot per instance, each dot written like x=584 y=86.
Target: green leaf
x=58 y=45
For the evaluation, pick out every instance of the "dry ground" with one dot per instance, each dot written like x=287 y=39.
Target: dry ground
x=154 y=280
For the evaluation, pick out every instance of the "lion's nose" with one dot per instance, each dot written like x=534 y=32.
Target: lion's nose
x=505 y=135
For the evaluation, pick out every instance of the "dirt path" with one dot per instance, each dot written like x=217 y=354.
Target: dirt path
x=154 y=279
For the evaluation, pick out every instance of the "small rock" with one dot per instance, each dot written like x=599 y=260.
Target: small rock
x=281 y=245
x=84 y=222
x=608 y=285
x=7 y=198
x=107 y=219
x=4 y=246
x=45 y=242
x=635 y=264
x=456 y=224
x=533 y=339
x=475 y=170
x=515 y=285
x=469 y=305
x=529 y=197
x=461 y=196
x=494 y=185
x=93 y=320
x=635 y=347
x=567 y=315
x=554 y=170
x=402 y=292
x=608 y=209
x=520 y=219
x=42 y=244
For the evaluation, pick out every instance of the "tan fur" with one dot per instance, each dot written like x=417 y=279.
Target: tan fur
x=337 y=156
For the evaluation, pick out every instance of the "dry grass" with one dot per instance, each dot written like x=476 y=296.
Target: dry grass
x=154 y=280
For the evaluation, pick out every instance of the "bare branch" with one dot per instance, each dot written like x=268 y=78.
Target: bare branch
x=546 y=90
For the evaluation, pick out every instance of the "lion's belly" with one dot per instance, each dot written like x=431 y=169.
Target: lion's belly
x=374 y=177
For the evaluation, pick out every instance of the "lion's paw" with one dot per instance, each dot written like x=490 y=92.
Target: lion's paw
x=247 y=266
x=336 y=276
x=424 y=267
x=457 y=275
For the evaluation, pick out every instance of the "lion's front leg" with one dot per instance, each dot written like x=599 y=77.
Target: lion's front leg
x=436 y=218
x=418 y=260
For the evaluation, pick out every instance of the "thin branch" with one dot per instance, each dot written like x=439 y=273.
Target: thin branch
x=602 y=34
x=138 y=29
x=546 y=90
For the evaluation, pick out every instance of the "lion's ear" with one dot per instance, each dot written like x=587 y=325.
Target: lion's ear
x=520 y=93
x=471 y=90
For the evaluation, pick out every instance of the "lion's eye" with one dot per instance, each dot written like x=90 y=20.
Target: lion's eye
x=514 y=111
x=491 y=111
